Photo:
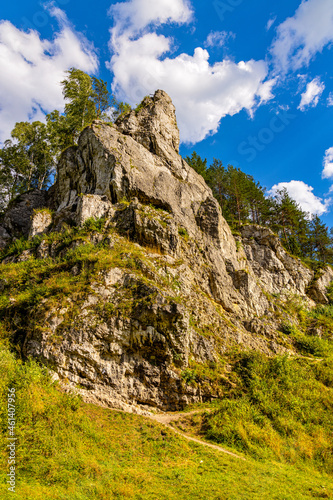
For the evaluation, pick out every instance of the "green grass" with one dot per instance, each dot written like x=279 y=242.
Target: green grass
x=276 y=409
x=69 y=450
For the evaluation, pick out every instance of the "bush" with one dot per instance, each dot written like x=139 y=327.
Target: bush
x=93 y=224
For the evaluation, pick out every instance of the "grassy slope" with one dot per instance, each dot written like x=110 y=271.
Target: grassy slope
x=69 y=450
x=276 y=412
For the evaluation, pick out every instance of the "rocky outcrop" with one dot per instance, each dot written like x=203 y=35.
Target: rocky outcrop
x=277 y=271
x=186 y=289
x=318 y=288
x=41 y=220
x=154 y=125
x=18 y=218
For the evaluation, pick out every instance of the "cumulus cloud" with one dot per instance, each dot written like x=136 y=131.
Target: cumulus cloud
x=136 y=15
x=300 y=37
x=330 y=99
x=312 y=94
x=303 y=194
x=32 y=68
x=203 y=93
x=328 y=164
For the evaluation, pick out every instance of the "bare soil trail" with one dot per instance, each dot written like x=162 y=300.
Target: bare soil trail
x=167 y=418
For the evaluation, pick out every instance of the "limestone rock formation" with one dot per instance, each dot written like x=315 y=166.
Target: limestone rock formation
x=317 y=289
x=191 y=290
x=17 y=220
x=41 y=220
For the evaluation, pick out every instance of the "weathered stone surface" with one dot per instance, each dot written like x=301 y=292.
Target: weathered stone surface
x=18 y=218
x=154 y=125
x=93 y=206
x=277 y=271
x=4 y=237
x=317 y=290
x=41 y=221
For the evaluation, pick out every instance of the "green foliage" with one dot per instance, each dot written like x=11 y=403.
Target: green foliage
x=143 y=104
x=121 y=109
x=80 y=108
x=281 y=410
x=26 y=163
x=93 y=224
x=183 y=232
x=289 y=329
x=321 y=310
x=329 y=292
x=101 y=97
x=198 y=164
x=189 y=376
x=243 y=200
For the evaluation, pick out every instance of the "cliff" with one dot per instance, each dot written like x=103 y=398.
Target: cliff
x=161 y=284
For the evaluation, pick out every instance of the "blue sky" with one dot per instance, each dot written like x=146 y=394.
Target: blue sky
x=252 y=81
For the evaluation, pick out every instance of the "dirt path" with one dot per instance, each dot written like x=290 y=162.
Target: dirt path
x=167 y=418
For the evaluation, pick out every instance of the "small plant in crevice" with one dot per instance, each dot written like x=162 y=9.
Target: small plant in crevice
x=183 y=233
x=189 y=376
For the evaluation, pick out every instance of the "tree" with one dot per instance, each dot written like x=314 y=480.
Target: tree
x=290 y=222
x=216 y=179
x=197 y=163
x=60 y=133
x=14 y=165
x=80 y=107
x=320 y=241
x=27 y=161
x=101 y=97
x=33 y=139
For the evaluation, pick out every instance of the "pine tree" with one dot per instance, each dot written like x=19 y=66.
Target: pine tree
x=216 y=179
x=320 y=241
x=290 y=222
x=198 y=164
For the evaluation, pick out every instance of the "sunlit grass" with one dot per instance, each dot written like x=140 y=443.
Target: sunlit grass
x=73 y=451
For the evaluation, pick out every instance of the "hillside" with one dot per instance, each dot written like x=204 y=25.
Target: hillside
x=125 y=281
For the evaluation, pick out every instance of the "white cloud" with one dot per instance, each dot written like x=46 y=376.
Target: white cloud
x=300 y=37
x=203 y=93
x=217 y=38
x=312 y=94
x=330 y=99
x=303 y=194
x=270 y=23
x=328 y=164
x=136 y=15
x=32 y=68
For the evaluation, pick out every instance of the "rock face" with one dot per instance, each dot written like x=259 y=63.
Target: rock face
x=196 y=289
x=317 y=290
x=17 y=220
x=277 y=271
x=41 y=220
